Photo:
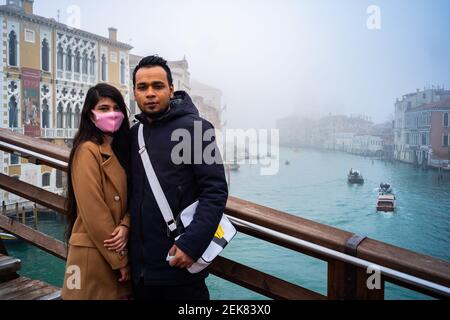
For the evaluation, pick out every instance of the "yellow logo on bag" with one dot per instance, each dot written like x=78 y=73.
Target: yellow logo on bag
x=219 y=233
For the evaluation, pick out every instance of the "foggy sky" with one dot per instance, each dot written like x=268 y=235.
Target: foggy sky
x=273 y=59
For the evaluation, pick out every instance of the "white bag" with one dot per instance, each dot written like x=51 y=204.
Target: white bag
x=224 y=234
x=225 y=231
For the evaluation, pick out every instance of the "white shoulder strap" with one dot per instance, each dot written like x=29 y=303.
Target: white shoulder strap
x=154 y=183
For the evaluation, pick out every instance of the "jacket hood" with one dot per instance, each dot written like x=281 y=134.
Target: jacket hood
x=180 y=105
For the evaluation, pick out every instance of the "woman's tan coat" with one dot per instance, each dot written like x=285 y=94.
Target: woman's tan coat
x=100 y=187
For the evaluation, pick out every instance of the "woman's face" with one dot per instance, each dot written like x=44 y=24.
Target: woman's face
x=105 y=105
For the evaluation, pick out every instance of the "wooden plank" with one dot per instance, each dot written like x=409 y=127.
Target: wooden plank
x=23 y=288
x=12 y=283
x=8 y=266
x=294 y=226
x=419 y=265
x=260 y=282
x=43 y=197
x=38 y=239
x=37 y=293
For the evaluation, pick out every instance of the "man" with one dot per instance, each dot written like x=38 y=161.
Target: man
x=163 y=112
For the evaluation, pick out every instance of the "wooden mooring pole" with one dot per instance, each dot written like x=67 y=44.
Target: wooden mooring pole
x=35 y=214
x=23 y=215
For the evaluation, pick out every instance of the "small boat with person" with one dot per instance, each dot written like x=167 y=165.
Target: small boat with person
x=386 y=198
x=354 y=176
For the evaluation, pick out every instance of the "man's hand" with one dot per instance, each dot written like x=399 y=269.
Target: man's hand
x=180 y=259
x=124 y=274
x=119 y=239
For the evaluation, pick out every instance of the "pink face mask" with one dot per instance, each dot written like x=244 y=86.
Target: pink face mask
x=108 y=122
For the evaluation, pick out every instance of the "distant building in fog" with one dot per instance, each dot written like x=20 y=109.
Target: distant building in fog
x=421 y=127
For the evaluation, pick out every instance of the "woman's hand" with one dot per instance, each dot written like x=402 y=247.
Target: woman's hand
x=119 y=239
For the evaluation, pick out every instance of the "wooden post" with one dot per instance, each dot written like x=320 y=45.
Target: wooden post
x=347 y=282
x=17 y=211
x=35 y=213
x=23 y=215
x=336 y=280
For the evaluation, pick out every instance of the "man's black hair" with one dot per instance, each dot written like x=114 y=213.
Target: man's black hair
x=153 y=61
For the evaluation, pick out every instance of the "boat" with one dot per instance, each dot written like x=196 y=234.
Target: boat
x=386 y=203
x=8 y=238
x=386 y=198
x=355 y=176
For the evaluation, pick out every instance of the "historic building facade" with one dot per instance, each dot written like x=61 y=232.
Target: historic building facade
x=46 y=70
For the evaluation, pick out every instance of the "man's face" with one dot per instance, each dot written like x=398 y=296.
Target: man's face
x=152 y=91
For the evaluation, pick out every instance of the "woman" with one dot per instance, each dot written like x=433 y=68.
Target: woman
x=97 y=263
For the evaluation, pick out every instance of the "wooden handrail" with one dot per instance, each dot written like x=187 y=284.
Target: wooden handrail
x=415 y=264
x=33 y=144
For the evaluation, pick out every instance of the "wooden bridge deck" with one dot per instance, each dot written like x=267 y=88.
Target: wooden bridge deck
x=14 y=287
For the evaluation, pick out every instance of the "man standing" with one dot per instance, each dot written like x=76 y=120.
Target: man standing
x=163 y=112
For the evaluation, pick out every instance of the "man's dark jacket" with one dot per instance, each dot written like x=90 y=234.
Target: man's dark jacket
x=183 y=184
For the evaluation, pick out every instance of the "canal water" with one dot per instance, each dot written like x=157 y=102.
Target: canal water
x=313 y=186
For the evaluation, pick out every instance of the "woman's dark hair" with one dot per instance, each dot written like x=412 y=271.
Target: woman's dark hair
x=89 y=132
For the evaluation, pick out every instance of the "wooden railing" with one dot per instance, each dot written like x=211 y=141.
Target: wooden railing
x=346 y=254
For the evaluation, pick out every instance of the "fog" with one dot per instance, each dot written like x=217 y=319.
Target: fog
x=273 y=59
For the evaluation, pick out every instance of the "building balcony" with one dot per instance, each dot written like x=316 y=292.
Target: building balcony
x=51 y=133
x=17 y=130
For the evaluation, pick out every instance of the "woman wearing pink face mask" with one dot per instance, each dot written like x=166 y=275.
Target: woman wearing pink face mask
x=97 y=262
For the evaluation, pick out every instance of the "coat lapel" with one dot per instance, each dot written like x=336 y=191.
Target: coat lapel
x=114 y=172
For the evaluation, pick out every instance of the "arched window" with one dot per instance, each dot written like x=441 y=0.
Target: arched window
x=77 y=116
x=13 y=49
x=77 y=61
x=60 y=58
x=93 y=62
x=69 y=60
x=46 y=180
x=69 y=115
x=59 y=116
x=45 y=56
x=122 y=71
x=85 y=63
x=103 y=67
x=13 y=113
x=446 y=124
x=45 y=114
